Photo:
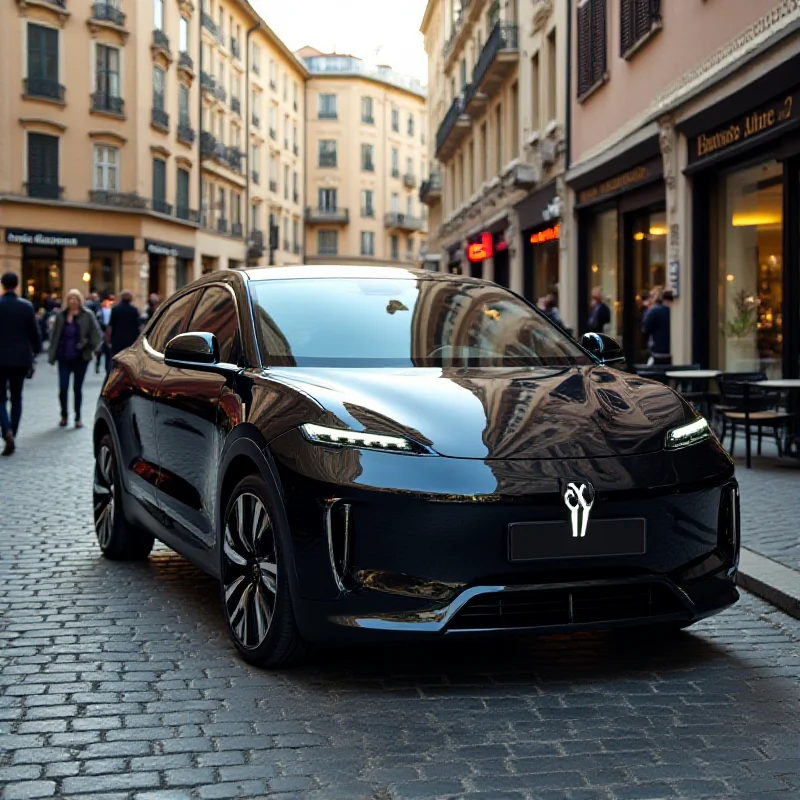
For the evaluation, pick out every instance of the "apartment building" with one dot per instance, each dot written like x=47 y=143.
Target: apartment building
x=497 y=109
x=685 y=172
x=367 y=155
x=125 y=157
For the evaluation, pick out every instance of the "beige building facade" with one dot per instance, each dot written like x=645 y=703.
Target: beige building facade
x=496 y=95
x=126 y=157
x=367 y=155
x=684 y=168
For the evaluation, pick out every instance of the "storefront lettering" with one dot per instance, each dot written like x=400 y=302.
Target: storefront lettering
x=615 y=184
x=547 y=235
x=42 y=240
x=480 y=251
x=779 y=112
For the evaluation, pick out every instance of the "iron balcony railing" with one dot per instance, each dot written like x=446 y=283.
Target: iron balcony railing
x=108 y=103
x=432 y=184
x=212 y=27
x=327 y=114
x=255 y=120
x=208 y=82
x=406 y=222
x=159 y=118
x=234 y=156
x=341 y=215
x=236 y=229
x=503 y=37
x=185 y=61
x=161 y=206
x=450 y=118
x=273 y=186
x=222 y=225
x=409 y=180
x=185 y=213
x=45 y=88
x=256 y=177
x=104 y=197
x=236 y=106
x=327 y=160
x=210 y=147
x=256 y=244
x=296 y=249
x=160 y=41
x=186 y=133
x=296 y=149
x=108 y=12
x=44 y=190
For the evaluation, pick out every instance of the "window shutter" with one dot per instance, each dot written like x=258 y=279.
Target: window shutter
x=159 y=179
x=643 y=19
x=626 y=26
x=42 y=159
x=584 y=47
x=598 y=40
x=35 y=54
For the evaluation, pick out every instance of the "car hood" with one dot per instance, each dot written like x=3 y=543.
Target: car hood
x=498 y=413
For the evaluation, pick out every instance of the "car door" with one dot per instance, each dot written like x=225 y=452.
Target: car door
x=138 y=443
x=188 y=427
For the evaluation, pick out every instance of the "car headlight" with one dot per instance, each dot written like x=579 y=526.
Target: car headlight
x=344 y=438
x=693 y=432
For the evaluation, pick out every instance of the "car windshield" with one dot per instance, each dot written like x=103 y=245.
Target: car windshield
x=396 y=322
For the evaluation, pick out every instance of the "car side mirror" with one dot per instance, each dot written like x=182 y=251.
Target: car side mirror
x=603 y=347
x=192 y=350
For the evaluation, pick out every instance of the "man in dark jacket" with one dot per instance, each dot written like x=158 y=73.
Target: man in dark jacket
x=656 y=327
x=599 y=314
x=123 y=326
x=20 y=340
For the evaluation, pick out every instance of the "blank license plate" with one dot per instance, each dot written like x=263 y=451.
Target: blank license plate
x=534 y=541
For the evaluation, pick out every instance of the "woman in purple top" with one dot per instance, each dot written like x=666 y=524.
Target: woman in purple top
x=75 y=340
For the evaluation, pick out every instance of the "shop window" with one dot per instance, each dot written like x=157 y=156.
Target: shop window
x=591 y=45
x=183 y=272
x=605 y=279
x=747 y=317
x=544 y=250
x=638 y=19
x=649 y=265
x=105 y=271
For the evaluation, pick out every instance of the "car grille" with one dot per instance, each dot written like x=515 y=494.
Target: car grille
x=569 y=606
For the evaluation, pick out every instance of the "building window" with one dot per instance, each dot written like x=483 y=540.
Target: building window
x=328 y=243
x=285 y=181
x=327 y=153
x=158 y=88
x=410 y=167
x=326 y=107
x=183 y=105
x=43 y=63
x=552 y=76
x=273 y=123
x=295 y=190
x=514 y=122
x=395 y=203
x=591 y=45
x=396 y=120
x=158 y=15
x=295 y=236
x=367 y=110
x=410 y=124
x=367 y=243
x=395 y=245
x=638 y=19
x=498 y=136
x=43 y=166
x=255 y=58
x=182 y=194
x=294 y=139
x=326 y=199
x=286 y=133
x=367 y=203
x=159 y=185
x=395 y=163
x=367 y=158
x=273 y=75
x=107 y=76
x=106 y=168
x=183 y=35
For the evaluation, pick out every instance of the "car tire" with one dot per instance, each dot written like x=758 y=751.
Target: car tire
x=254 y=584
x=119 y=540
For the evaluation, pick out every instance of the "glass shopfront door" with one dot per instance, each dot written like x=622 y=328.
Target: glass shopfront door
x=42 y=275
x=605 y=279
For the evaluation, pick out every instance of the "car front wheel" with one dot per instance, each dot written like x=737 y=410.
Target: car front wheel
x=254 y=586
x=118 y=539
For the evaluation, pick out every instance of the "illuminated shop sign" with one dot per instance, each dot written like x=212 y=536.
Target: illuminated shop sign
x=480 y=251
x=547 y=235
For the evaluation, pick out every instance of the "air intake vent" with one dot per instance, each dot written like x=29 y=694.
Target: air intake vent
x=729 y=524
x=338 y=529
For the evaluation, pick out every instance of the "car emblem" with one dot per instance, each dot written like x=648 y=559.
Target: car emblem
x=579 y=499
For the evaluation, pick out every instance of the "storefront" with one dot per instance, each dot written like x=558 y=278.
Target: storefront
x=541 y=232
x=158 y=280
x=622 y=243
x=744 y=163
x=45 y=254
x=491 y=243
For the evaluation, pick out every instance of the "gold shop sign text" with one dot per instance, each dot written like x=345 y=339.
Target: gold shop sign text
x=619 y=183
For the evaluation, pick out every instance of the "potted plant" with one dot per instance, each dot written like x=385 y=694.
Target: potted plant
x=742 y=347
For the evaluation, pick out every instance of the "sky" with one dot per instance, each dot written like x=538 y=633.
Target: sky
x=356 y=27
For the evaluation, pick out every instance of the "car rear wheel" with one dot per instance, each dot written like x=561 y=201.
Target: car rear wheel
x=118 y=539
x=254 y=585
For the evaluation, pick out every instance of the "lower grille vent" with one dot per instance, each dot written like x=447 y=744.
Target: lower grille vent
x=534 y=608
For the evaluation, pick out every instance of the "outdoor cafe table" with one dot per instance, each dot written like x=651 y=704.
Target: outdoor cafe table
x=791 y=385
x=694 y=375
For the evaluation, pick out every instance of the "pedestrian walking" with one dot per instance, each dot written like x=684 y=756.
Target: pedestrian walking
x=124 y=324
x=600 y=314
x=103 y=315
x=75 y=340
x=656 y=327
x=20 y=343
x=548 y=306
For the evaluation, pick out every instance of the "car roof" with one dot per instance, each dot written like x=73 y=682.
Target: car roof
x=310 y=272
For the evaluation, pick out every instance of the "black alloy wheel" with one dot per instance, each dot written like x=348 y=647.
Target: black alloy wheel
x=254 y=585
x=119 y=540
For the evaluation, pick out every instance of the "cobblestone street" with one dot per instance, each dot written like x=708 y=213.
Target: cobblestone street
x=118 y=681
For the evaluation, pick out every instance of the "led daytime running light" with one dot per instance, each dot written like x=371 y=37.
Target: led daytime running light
x=692 y=433
x=344 y=438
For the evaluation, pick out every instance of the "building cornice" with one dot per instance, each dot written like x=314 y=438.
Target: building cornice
x=357 y=76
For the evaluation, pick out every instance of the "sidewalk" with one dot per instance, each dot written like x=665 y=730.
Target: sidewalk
x=770 y=491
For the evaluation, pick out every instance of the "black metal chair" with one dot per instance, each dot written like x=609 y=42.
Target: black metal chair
x=745 y=405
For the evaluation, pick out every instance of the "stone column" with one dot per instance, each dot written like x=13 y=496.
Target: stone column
x=135 y=274
x=516 y=278
x=568 y=257
x=169 y=282
x=75 y=265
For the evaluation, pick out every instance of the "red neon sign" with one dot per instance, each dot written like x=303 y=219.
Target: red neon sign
x=547 y=235
x=480 y=251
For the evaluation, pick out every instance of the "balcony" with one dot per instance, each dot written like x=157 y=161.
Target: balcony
x=210 y=147
x=255 y=177
x=211 y=27
x=160 y=44
x=222 y=225
x=159 y=119
x=186 y=62
x=108 y=104
x=236 y=50
x=273 y=85
x=186 y=133
x=236 y=106
x=327 y=114
x=107 y=12
x=296 y=249
x=44 y=89
x=454 y=128
x=255 y=247
x=103 y=197
x=237 y=230
x=395 y=172
x=273 y=186
x=296 y=197
x=395 y=221
x=327 y=160
x=44 y=191
x=498 y=59
x=296 y=149
x=368 y=120
x=162 y=206
x=431 y=190
x=273 y=134
x=187 y=214
x=208 y=83
x=255 y=120
x=330 y=216
x=410 y=180
x=234 y=156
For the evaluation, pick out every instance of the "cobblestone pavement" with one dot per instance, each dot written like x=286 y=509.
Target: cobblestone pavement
x=117 y=681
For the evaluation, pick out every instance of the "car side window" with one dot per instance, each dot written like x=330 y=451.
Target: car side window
x=216 y=313
x=170 y=322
